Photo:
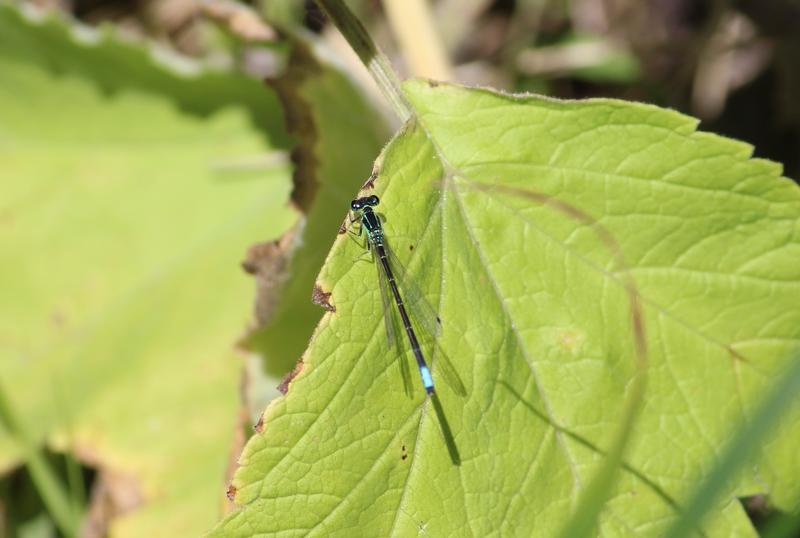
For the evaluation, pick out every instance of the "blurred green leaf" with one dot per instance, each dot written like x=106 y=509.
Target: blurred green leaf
x=589 y=57
x=130 y=193
x=338 y=136
x=117 y=63
x=615 y=66
x=537 y=321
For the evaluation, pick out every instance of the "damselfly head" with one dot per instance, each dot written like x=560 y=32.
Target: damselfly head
x=360 y=203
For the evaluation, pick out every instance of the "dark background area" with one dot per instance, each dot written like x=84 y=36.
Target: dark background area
x=731 y=63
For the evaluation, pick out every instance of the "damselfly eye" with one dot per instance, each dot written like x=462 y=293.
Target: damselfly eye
x=355 y=205
x=372 y=200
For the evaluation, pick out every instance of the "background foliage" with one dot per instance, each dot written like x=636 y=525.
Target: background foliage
x=144 y=159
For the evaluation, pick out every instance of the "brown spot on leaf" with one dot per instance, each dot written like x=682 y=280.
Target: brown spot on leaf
x=370 y=182
x=259 y=427
x=58 y=319
x=268 y=263
x=321 y=298
x=231 y=492
x=239 y=437
x=284 y=386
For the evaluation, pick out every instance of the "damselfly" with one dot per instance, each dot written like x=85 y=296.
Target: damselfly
x=407 y=297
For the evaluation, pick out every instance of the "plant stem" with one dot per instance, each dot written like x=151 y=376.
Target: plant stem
x=412 y=23
x=369 y=53
x=740 y=449
x=47 y=484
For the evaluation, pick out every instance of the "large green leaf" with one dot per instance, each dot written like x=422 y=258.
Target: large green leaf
x=124 y=219
x=116 y=63
x=536 y=320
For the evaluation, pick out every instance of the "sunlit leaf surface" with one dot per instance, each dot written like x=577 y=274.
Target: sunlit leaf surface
x=537 y=322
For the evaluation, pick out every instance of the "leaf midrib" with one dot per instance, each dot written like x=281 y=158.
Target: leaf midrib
x=451 y=172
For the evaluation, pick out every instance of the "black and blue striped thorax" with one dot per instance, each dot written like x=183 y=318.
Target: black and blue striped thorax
x=369 y=219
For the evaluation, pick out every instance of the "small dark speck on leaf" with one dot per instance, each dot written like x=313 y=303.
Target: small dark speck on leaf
x=58 y=319
x=320 y=298
x=410 y=247
x=404 y=454
x=231 y=493
x=259 y=427
x=284 y=386
x=370 y=182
